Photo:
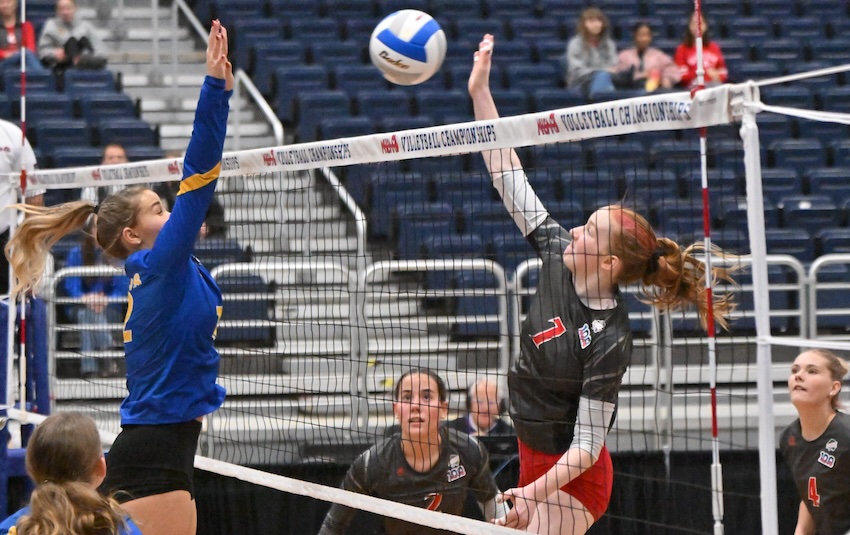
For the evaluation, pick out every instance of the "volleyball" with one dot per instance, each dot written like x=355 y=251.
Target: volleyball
x=408 y=47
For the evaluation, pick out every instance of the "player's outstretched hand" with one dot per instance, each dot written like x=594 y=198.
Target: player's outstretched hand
x=218 y=65
x=520 y=515
x=479 y=78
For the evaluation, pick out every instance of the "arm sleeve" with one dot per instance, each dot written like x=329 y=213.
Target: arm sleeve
x=592 y=423
x=522 y=203
x=201 y=168
x=339 y=517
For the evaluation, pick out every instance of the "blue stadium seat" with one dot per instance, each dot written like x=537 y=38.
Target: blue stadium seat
x=356 y=78
x=835 y=99
x=413 y=222
x=727 y=153
x=44 y=82
x=752 y=29
x=824 y=9
x=799 y=154
x=357 y=31
x=385 y=7
x=248 y=32
x=240 y=304
x=213 y=252
x=290 y=81
x=443 y=104
x=515 y=51
x=809 y=212
x=619 y=158
x=126 y=132
x=721 y=181
x=451 y=9
x=140 y=153
x=568 y=213
x=457 y=76
x=358 y=179
x=834 y=182
x=779 y=50
x=730 y=211
x=333 y=53
x=596 y=190
x=561 y=158
x=50 y=135
x=826 y=133
x=79 y=82
x=312 y=30
x=560 y=9
x=95 y=108
x=314 y=106
x=779 y=299
x=46 y=107
x=508 y=9
x=346 y=9
x=840 y=151
x=832 y=51
x=774 y=9
x=76 y=157
x=780 y=182
x=231 y=10
x=391 y=190
x=474 y=30
x=677 y=217
x=734 y=50
x=511 y=249
x=655 y=184
x=394 y=124
x=345 y=127
x=475 y=305
x=531 y=77
x=804 y=29
x=464 y=190
x=679 y=156
x=552 y=51
x=831 y=299
x=511 y=101
x=795 y=242
x=834 y=240
x=533 y=29
x=487 y=218
x=754 y=70
x=791 y=96
x=735 y=241
x=449 y=246
x=556 y=99
x=5 y=107
x=268 y=57
x=380 y=105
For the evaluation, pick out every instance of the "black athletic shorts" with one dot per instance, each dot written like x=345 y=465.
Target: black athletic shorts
x=147 y=460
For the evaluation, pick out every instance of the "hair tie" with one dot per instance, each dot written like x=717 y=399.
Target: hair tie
x=652 y=263
x=96 y=208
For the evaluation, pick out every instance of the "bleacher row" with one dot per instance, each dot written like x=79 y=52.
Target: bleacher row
x=306 y=56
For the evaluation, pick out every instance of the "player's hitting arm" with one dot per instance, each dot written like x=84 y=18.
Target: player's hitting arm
x=503 y=164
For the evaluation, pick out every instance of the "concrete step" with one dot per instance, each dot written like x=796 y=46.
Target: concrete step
x=273 y=231
x=184 y=80
x=271 y=182
x=270 y=198
x=231 y=143
x=185 y=130
x=322 y=245
x=283 y=214
x=249 y=115
x=341 y=310
x=184 y=103
x=342 y=365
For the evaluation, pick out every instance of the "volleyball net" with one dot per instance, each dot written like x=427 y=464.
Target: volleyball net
x=345 y=263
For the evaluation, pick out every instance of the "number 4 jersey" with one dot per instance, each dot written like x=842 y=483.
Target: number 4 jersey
x=821 y=469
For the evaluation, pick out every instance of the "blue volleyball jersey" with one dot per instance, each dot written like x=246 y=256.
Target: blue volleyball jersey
x=174 y=304
x=7 y=527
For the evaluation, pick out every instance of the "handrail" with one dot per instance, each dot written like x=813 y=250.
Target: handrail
x=242 y=80
x=812 y=279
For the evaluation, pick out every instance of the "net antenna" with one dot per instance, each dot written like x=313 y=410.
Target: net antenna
x=716 y=467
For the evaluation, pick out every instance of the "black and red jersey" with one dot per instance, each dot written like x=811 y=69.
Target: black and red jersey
x=567 y=351
x=821 y=469
x=382 y=471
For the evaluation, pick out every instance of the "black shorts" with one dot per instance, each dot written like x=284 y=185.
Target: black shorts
x=147 y=460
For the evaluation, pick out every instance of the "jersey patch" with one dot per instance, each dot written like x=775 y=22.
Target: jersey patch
x=831 y=445
x=551 y=333
x=584 y=336
x=597 y=325
x=826 y=459
x=456 y=470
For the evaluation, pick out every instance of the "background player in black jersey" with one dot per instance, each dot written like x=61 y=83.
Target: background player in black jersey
x=817 y=445
x=425 y=464
x=576 y=341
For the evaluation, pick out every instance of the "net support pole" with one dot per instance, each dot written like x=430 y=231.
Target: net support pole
x=758 y=249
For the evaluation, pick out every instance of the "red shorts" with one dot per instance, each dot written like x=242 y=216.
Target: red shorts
x=592 y=488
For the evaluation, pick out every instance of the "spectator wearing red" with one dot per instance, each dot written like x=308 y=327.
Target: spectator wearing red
x=17 y=37
x=712 y=56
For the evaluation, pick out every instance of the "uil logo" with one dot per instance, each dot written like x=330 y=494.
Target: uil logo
x=831 y=445
x=456 y=470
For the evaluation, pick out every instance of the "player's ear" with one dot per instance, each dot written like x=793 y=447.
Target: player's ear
x=131 y=237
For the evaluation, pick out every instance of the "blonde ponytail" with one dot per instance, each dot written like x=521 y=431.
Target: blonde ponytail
x=71 y=508
x=42 y=228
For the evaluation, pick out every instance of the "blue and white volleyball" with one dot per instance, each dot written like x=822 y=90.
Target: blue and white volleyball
x=408 y=47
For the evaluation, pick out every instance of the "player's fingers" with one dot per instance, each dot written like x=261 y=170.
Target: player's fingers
x=224 y=44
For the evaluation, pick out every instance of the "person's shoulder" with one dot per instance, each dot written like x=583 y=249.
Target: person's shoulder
x=10 y=522
x=461 y=423
x=464 y=443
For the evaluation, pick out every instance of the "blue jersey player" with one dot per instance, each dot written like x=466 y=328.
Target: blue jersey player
x=173 y=311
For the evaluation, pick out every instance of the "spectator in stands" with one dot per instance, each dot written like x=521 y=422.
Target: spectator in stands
x=817 y=445
x=173 y=313
x=484 y=407
x=644 y=66
x=95 y=310
x=14 y=156
x=576 y=339
x=113 y=154
x=65 y=460
x=712 y=57
x=409 y=459
x=591 y=54
x=17 y=39
x=69 y=41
